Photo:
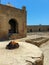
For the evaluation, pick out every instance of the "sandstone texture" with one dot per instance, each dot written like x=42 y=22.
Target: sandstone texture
x=26 y=54
x=44 y=36
x=12 y=22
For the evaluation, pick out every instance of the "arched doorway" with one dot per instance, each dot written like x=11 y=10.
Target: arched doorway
x=39 y=30
x=30 y=30
x=13 y=26
x=48 y=29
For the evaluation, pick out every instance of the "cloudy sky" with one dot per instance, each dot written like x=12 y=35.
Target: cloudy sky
x=37 y=10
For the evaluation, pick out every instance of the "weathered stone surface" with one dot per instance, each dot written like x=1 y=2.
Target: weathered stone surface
x=26 y=54
x=37 y=41
x=8 y=13
x=37 y=28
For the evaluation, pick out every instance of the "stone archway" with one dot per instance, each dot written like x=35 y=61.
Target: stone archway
x=48 y=29
x=39 y=29
x=30 y=30
x=13 y=26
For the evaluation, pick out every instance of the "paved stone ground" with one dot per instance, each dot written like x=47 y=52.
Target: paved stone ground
x=44 y=47
x=26 y=54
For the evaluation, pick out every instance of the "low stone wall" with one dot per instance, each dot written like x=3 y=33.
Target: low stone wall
x=37 y=41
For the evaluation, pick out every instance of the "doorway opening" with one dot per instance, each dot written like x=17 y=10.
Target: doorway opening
x=39 y=30
x=13 y=26
x=48 y=29
x=30 y=30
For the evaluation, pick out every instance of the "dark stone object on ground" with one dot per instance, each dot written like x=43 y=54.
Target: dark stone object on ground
x=12 y=45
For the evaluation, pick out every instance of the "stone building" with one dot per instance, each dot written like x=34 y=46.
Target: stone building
x=37 y=28
x=12 y=22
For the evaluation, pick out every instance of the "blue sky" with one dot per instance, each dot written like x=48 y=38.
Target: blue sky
x=37 y=10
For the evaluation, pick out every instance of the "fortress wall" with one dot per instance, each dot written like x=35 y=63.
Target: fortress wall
x=38 y=28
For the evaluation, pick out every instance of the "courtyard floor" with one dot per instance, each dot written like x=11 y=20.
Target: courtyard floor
x=44 y=47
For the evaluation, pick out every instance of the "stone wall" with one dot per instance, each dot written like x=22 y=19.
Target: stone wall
x=19 y=15
x=38 y=28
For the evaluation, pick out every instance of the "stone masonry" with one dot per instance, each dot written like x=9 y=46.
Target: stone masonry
x=12 y=22
x=38 y=28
